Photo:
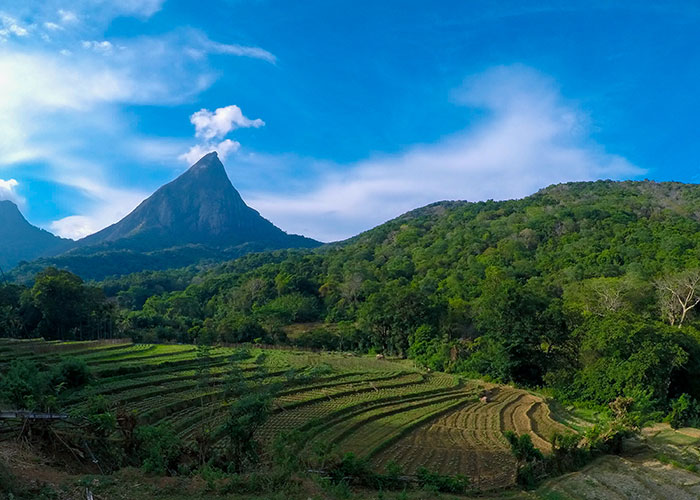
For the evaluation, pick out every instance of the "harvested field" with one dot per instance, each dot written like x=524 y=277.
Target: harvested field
x=470 y=440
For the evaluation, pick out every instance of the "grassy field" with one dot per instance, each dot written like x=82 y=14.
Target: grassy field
x=382 y=409
x=377 y=408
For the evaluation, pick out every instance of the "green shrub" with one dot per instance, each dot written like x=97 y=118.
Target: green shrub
x=445 y=484
x=72 y=373
x=684 y=412
x=522 y=447
x=159 y=449
x=23 y=385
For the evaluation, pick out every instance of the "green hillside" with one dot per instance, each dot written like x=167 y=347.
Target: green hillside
x=515 y=290
x=560 y=289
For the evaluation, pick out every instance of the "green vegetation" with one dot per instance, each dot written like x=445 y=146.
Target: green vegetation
x=58 y=306
x=585 y=291
x=247 y=418
x=586 y=288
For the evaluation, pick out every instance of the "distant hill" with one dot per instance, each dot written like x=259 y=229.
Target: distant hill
x=19 y=240
x=197 y=217
x=199 y=207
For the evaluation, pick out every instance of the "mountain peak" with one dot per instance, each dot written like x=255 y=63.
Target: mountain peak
x=208 y=163
x=19 y=240
x=10 y=213
x=208 y=171
x=208 y=159
x=201 y=206
x=7 y=204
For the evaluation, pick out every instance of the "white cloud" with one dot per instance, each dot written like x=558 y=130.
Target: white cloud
x=216 y=125
x=10 y=26
x=67 y=16
x=238 y=50
x=74 y=227
x=102 y=47
x=52 y=26
x=107 y=204
x=224 y=148
x=8 y=191
x=209 y=125
x=532 y=138
x=137 y=8
x=18 y=30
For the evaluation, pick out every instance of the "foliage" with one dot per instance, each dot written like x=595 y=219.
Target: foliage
x=159 y=449
x=522 y=448
x=71 y=373
x=26 y=385
x=437 y=482
x=58 y=306
x=556 y=289
x=685 y=411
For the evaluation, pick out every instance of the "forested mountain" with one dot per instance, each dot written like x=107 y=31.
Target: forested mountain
x=197 y=217
x=19 y=240
x=576 y=288
x=562 y=288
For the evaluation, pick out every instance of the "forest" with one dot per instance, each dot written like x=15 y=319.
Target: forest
x=587 y=290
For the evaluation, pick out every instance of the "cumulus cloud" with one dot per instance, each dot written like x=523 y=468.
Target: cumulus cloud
x=8 y=191
x=210 y=125
x=531 y=138
x=67 y=16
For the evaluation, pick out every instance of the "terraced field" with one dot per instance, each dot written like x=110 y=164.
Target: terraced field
x=470 y=439
x=381 y=409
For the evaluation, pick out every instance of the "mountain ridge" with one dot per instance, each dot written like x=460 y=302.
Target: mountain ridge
x=20 y=240
x=197 y=216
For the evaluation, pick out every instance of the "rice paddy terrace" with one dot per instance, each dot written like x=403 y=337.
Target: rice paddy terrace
x=381 y=409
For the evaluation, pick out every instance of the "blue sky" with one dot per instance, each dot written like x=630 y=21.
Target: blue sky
x=332 y=117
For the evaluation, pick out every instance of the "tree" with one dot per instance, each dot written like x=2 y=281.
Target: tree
x=67 y=308
x=520 y=328
x=678 y=294
x=603 y=296
x=246 y=416
x=394 y=311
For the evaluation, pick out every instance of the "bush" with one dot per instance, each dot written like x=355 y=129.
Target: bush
x=159 y=449
x=8 y=482
x=22 y=386
x=101 y=420
x=72 y=373
x=522 y=447
x=319 y=338
x=684 y=412
x=445 y=484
